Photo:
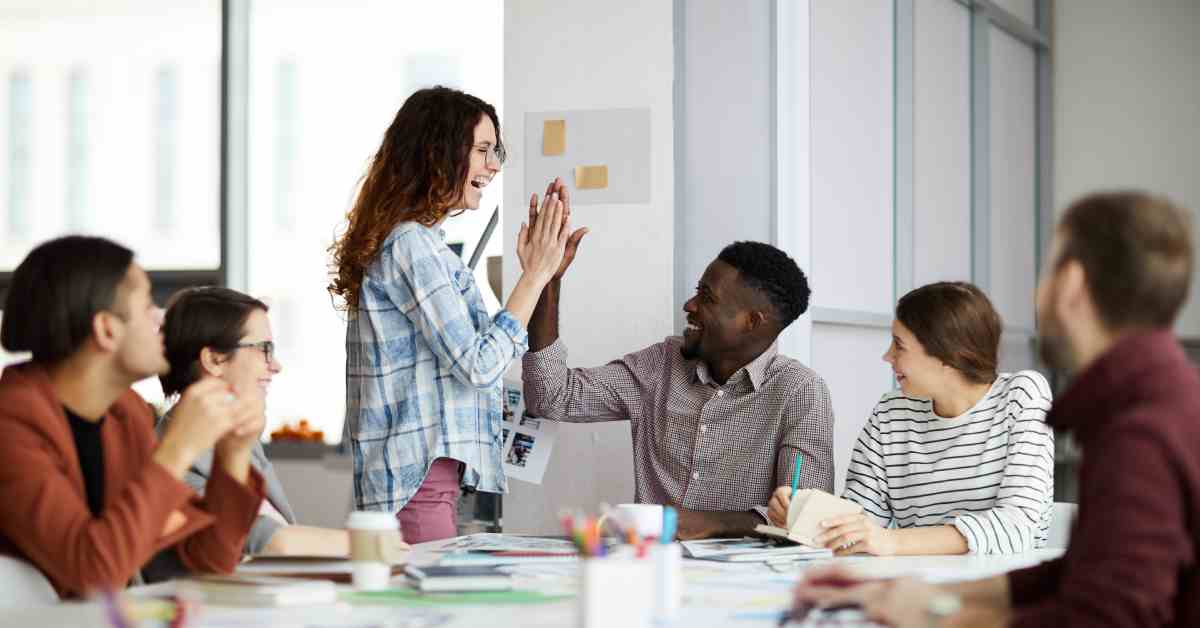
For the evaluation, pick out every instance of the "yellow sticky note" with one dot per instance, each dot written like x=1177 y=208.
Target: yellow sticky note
x=591 y=177
x=554 y=137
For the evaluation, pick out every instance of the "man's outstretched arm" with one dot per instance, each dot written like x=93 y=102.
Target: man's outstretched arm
x=543 y=325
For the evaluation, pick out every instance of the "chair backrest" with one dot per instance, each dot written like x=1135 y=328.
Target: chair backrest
x=21 y=584
x=1061 y=519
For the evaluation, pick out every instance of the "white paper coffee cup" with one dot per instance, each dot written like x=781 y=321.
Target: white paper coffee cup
x=375 y=545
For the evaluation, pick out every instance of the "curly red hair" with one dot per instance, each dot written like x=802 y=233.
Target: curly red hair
x=417 y=175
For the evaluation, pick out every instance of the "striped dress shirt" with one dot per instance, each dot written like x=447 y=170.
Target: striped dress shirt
x=423 y=368
x=989 y=473
x=696 y=443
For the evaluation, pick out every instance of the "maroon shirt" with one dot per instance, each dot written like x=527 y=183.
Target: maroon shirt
x=1132 y=557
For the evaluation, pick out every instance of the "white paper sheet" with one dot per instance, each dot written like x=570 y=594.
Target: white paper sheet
x=508 y=543
x=749 y=550
x=286 y=564
x=528 y=441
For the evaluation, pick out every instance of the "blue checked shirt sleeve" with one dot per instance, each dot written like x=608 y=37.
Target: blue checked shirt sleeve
x=424 y=288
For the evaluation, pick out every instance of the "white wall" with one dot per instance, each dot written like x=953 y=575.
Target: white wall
x=852 y=207
x=1012 y=65
x=1126 y=89
x=577 y=54
x=726 y=162
x=941 y=142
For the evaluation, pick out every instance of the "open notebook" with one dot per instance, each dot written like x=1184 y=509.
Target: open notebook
x=808 y=509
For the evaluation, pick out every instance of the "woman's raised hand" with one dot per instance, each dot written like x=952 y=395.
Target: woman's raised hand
x=542 y=241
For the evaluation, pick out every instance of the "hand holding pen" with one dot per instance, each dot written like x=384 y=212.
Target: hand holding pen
x=828 y=590
x=781 y=500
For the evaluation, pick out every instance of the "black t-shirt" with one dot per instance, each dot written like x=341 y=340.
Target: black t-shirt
x=91 y=458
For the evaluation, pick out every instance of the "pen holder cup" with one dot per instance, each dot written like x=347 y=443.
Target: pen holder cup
x=668 y=580
x=616 y=592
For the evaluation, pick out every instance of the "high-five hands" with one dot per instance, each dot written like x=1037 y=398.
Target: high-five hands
x=542 y=241
x=557 y=186
x=556 y=195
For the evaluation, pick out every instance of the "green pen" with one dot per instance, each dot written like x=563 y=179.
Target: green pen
x=796 y=475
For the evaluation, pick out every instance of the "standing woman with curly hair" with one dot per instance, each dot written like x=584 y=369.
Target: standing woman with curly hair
x=424 y=359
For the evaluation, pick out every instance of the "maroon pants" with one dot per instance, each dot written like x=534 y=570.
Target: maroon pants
x=432 y=513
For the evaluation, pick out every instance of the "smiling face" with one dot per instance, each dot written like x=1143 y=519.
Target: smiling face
x=246 y=368
x=918 y=373
x=716 y=318
x=483 y=165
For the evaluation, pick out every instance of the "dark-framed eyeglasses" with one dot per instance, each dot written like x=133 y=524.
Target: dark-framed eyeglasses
x=266 y=346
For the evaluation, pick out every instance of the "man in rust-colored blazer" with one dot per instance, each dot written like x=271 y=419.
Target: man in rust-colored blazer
x=88 y=494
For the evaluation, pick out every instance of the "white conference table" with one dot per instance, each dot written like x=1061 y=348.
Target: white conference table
x=715 y=594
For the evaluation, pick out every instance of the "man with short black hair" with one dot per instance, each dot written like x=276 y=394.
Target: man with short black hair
x=89 y=496
x=718 y=416
x=1117 y=276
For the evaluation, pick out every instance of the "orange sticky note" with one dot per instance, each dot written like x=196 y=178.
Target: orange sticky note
x=554 y=137
x=591 y=177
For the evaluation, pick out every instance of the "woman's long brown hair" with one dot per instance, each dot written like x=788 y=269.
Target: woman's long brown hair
x=417 y=174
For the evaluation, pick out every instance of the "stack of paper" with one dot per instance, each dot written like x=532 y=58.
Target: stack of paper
x=749 y=550
x=257 y=591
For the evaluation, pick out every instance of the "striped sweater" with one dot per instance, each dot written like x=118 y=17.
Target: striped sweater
x=988 y=472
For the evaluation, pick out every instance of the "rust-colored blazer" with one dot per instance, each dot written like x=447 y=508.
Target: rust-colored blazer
x=44 y=516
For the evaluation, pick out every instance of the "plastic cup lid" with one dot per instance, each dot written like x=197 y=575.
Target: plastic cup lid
x=372 y=520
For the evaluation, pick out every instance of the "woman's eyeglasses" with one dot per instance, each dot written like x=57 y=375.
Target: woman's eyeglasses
x=497 y=152
x=266 y=346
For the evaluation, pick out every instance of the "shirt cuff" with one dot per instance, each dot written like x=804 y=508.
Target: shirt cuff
x=509 y=323
x=967 y=533
x=555 y=353
x=235 y=505
x=761 y=511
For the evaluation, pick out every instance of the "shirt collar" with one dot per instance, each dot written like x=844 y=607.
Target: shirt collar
x=756 y=370
x=1113 y=380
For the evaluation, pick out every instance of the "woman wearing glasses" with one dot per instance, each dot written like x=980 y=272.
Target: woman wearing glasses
x=424 y=359
x=217 y=332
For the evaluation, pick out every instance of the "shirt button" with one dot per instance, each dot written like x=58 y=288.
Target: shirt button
x=696 y=475
x=703 y=429
x=720 y=393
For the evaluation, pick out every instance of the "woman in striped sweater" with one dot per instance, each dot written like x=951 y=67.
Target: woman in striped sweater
x=959 y=459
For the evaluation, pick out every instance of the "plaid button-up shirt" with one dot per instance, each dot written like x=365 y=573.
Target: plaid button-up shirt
x=697 y=444
x=423 y=368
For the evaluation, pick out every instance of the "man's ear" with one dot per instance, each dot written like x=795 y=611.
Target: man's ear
x=106 y=332
x=755 y=319
x=1072 y=297
x=210 y=362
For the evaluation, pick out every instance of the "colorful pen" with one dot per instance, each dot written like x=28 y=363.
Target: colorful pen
x=670 y=522
x=796 y=475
